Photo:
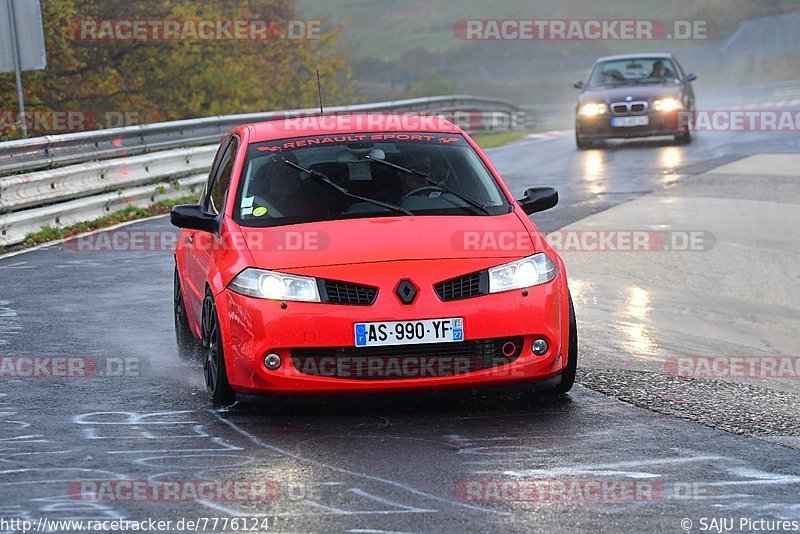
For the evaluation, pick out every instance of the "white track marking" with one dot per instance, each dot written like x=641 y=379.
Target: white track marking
x=260 y=443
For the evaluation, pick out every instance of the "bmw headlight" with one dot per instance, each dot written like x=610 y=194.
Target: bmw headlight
x=593 y=109
x=527 y=272
x=275 y=286
x=667 y=104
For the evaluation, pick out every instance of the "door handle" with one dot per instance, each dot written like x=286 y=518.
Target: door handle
x=190 y=239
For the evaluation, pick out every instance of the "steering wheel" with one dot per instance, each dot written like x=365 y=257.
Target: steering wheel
x=419 y=190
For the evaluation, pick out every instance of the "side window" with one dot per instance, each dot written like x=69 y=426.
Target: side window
x=223 y=147
x=215 y=199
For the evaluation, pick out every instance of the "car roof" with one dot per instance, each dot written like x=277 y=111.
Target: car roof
x=348 y=124
x=642 y=55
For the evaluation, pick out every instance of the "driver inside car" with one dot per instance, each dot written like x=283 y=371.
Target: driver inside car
x=660 y=71
x=418 y=162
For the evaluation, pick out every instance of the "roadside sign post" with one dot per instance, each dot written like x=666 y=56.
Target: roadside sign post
x=22 y=34
x=17 y=67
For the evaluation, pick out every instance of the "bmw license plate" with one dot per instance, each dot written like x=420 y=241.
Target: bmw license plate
x=409 y=332
x=642 y=120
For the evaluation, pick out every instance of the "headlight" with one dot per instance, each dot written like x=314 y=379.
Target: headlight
x=527 y=272
x=275 y=286
x=667 y=104
x=593 y=109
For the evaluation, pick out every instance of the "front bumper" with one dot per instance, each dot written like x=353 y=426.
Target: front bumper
x=600 y=127
x=252 y=328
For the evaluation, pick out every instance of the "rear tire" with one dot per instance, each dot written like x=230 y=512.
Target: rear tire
x=216 y=375
x=188 y=345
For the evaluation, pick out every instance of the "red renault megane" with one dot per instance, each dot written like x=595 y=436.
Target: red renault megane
x=367 y=254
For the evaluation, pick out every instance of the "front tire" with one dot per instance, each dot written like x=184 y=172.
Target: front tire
x=214 y=357
x=188 y=345
x=568 y=374
x=683 y=138
x=580 y=141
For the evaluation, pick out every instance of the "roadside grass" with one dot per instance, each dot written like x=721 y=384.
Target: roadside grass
x=496 y=139
x=131 y=213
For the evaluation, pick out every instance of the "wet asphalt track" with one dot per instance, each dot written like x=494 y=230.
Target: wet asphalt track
x=378 y=465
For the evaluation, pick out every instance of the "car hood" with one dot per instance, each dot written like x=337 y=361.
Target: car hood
x=384 y=239
x=646 y=93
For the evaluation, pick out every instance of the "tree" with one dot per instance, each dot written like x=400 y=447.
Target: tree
x=172 y=79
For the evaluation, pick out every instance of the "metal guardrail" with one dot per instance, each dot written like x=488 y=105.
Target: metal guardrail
x=85 y=179
x=15 y=226
x=89 y=174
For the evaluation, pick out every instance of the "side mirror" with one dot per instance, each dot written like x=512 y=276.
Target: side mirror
x=193 y=217
x=578 y=85
x=690 y=78
x=538 y=199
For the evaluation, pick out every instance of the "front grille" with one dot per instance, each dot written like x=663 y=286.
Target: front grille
x=335 y=292
x=463 y=287
x=407 y=361
x=625 y=108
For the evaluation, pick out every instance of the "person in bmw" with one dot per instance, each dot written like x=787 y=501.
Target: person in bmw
x=660 y=71
x=638 y=95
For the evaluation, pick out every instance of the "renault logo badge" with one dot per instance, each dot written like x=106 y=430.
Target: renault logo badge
x=406 y=291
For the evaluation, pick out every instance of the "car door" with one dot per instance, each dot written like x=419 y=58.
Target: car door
x=203 y=245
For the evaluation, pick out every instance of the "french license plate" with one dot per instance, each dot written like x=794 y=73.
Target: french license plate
x=642 y=120
x=409 y=332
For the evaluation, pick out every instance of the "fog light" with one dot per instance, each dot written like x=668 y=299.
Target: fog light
x=540 y=347
x=272 y=361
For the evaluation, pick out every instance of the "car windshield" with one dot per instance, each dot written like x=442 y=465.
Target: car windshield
x=332 y=177
x=633 y=71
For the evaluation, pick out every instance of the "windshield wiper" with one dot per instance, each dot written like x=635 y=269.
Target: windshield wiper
x=327 y=181
x=427 y=178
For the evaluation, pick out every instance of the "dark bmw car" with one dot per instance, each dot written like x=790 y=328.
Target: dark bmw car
x=637 y=95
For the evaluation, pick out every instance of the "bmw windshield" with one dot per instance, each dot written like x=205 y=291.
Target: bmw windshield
x=634 y=71
x=349 y=176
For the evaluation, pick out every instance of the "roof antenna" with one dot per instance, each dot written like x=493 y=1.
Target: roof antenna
x=319 y=91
